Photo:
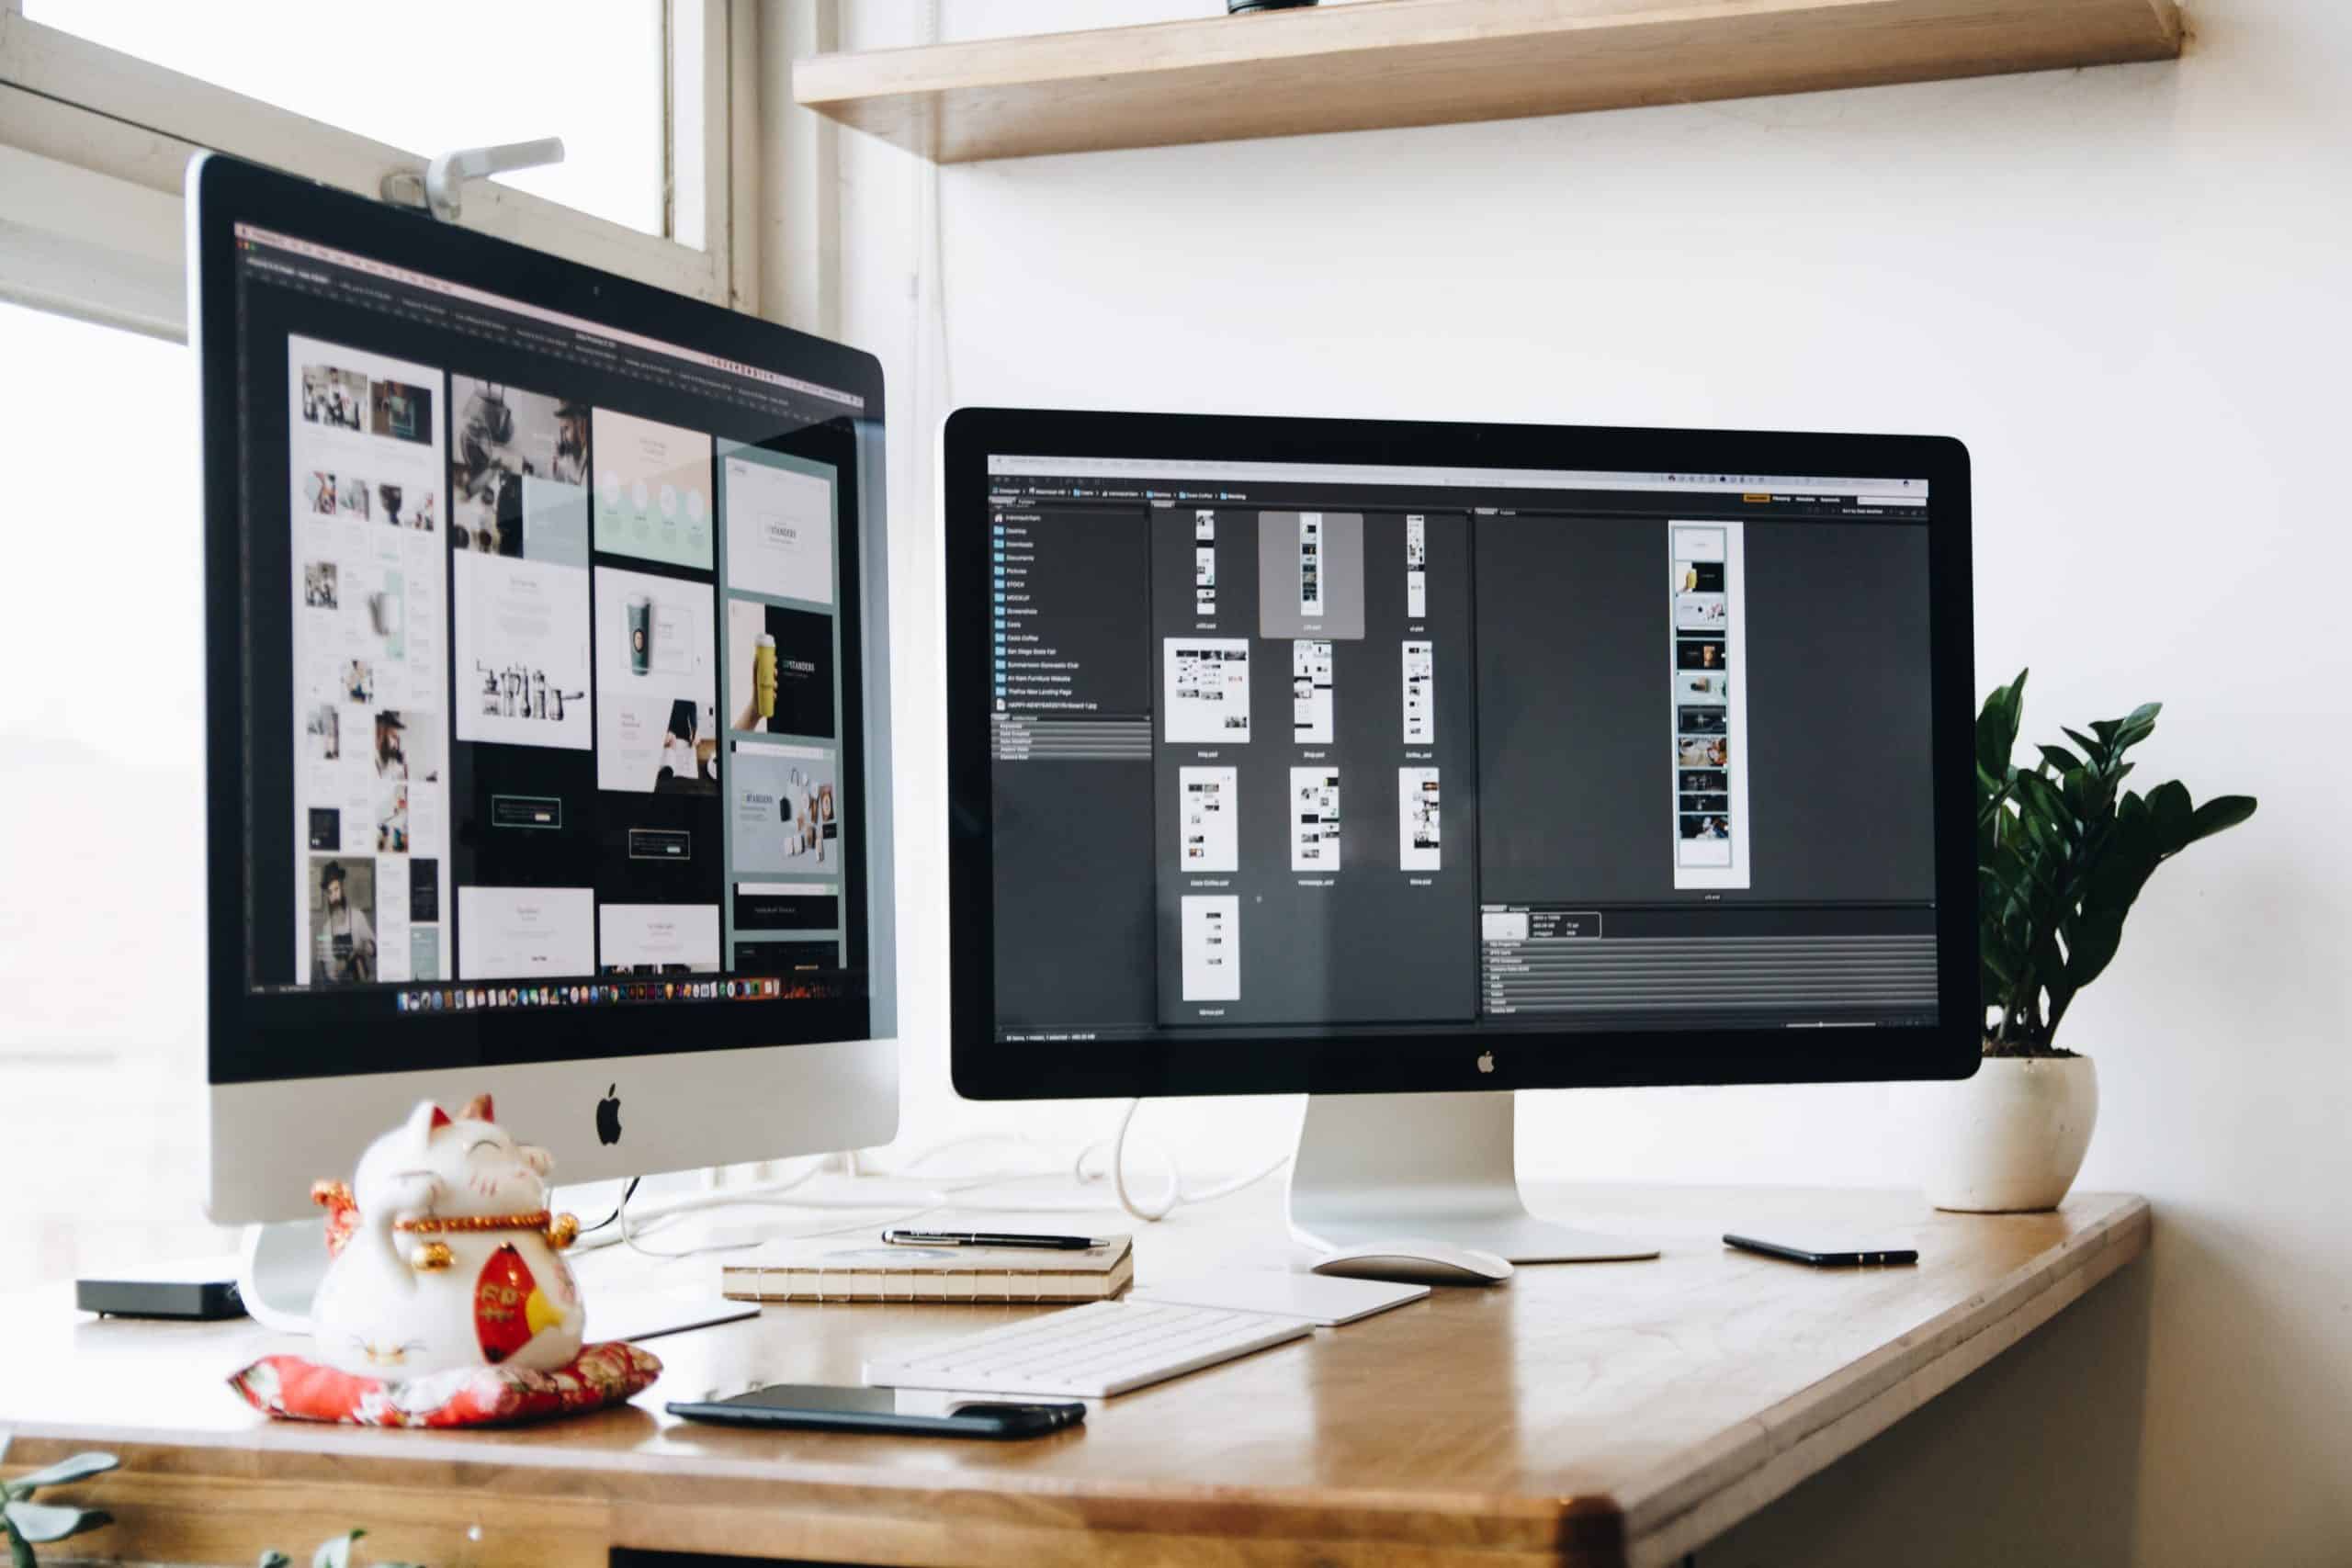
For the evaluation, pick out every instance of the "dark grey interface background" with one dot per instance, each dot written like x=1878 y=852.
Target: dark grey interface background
x=1570 y=691
x=1073 y=822
x=1553 y=902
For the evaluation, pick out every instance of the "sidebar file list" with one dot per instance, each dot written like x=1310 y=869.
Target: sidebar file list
x=1069 y=633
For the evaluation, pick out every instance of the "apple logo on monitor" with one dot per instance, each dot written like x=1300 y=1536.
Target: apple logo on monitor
x=608 y=1116
x=1485 y=1061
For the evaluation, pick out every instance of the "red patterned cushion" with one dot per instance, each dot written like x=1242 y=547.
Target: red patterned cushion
x=296 y=1390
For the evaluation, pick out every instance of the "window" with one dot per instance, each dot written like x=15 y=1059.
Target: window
x=102 y=102
x=482 y=74
x=101 y=805
x=109 y=98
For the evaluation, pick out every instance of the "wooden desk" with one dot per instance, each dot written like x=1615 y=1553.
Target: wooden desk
x=1621 y=1413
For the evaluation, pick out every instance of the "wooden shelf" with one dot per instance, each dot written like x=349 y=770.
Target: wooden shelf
x=1394 y=63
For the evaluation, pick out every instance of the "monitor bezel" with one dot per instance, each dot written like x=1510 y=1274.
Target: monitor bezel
x=243 y=1028
x=984 y=1068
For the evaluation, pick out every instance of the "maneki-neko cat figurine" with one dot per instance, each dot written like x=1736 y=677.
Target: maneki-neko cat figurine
x=445 y=1255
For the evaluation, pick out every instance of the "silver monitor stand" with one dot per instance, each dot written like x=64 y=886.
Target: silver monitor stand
x=1377 y=1167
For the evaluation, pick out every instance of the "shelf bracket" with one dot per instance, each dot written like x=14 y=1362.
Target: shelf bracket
x=439 y=189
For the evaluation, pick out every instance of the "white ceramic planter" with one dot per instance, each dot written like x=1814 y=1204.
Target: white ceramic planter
x=2012 y=1138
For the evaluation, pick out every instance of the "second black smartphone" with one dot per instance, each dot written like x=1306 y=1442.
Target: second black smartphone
x=829 y=1407
x=1823 y=1260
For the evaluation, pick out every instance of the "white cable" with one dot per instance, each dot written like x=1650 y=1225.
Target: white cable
x=629 y=1233
x=1173 y=1196
x=632 y=1226
x=931 y=1152
x=714 y=1197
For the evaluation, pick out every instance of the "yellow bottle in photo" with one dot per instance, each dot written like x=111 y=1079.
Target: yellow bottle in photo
x=764 y=675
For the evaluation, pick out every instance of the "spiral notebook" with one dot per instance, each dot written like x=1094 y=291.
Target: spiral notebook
x=814 y=1270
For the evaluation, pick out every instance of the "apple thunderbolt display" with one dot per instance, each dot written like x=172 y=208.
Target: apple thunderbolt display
x=546 y=704
x=1394 y=763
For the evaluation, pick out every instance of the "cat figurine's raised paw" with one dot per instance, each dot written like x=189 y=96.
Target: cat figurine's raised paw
x=445 y=1253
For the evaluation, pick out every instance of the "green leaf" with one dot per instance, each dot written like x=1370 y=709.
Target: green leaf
x=2058 y=757
x=2046 y=816
x=64 y=1473
x=2222 y=812
x=2014 y=873
x=2037 y=796
x=53 y=1521
x=2093 y=948
x=1997 y=725
x=2036 y=837
x=20 y=1551
x=1992 y=792
x=2169 y=807
x=274 y=1557
x=2115 y=884
x=335 y=1551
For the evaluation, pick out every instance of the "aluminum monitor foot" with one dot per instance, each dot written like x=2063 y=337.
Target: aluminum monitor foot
x=278 y=1272
x=1387 y=1167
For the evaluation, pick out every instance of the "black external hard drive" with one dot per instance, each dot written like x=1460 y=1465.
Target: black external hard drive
x=204 y=1289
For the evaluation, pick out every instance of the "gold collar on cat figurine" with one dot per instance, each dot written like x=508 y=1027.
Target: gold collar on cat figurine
x=560 y=1230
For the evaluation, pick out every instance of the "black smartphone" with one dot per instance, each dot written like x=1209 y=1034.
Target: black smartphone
x=827 y=1407
x=1824 y=1258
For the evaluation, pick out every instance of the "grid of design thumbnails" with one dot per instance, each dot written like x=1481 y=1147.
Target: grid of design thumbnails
x=566 y=664
x=1710 y=721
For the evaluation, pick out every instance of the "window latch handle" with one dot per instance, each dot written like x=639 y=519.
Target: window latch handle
x=439 y=189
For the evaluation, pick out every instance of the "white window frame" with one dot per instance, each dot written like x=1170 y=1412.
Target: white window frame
x=95 y=144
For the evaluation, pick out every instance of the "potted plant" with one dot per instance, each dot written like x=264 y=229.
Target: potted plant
x=23 y=1522
x=2062 y=852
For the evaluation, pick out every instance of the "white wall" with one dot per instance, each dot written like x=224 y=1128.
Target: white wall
x=2126 y=289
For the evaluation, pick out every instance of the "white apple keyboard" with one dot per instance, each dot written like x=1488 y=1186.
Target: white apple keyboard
x=1088 y=1352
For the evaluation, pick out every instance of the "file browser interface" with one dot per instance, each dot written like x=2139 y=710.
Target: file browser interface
x=1284 y=750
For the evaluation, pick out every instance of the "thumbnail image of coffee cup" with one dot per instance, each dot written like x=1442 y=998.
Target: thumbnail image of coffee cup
x=1701 y=653
x=640 y=636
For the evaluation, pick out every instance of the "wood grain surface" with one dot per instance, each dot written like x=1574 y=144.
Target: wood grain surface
x=1620 y=1413
x=1401 y=63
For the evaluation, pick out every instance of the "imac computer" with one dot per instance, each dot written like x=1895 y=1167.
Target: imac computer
x=1403 y=764
x=546 y=708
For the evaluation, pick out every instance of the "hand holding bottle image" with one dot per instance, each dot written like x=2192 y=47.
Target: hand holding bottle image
x=759 y=701
x=764 y=676
x=780 y=671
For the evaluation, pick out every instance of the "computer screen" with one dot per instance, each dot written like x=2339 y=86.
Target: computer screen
x=545 y=648
x=1315 y=751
